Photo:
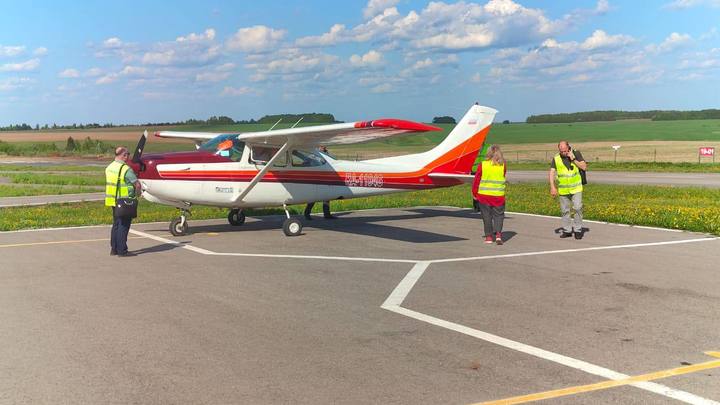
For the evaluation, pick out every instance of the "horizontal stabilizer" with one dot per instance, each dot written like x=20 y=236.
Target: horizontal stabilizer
x=465 y=178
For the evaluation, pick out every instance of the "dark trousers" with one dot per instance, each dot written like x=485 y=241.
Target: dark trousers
x=326 y=209
x=119 y=233
x=492 y=218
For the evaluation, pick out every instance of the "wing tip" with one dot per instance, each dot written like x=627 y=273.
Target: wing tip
x=397 y=124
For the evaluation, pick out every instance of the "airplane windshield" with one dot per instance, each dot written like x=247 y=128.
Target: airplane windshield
x=226 y=145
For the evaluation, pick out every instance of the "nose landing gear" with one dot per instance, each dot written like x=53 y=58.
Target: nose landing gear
x=179 y=226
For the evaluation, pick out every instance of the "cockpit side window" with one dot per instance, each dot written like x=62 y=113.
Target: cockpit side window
x=226 y=145
x=260 y=155
x=301 y=158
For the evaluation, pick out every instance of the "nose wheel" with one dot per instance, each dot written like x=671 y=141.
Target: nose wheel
x=179 y=226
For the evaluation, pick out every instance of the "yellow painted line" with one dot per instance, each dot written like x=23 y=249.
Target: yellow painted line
x=60 y=242
x=608 y=384
x=212 y=234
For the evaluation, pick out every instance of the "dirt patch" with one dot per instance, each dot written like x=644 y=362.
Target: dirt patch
x=112 y=134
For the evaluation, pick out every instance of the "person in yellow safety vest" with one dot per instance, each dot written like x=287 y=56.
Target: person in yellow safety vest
x=565 y=169
x=489 y=192
x=120 y=180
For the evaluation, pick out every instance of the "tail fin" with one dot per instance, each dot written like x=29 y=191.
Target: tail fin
x=457 y=153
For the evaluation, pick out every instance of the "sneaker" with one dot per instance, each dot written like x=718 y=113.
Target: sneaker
x=498 y=238
x=489 y=239
x=566 y=235
x=579 y=235
x=113 y=253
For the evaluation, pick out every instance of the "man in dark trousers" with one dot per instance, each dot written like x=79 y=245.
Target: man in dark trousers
x=120 y=182
x=326 y=204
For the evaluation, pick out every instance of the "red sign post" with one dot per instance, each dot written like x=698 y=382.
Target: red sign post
x=706 y=151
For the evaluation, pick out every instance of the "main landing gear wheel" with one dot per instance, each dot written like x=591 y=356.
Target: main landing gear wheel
x=178 y=227
x=236 y=217
x=292 y=227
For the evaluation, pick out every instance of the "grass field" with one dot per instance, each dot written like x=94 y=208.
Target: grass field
x=14 y=191
x=691 y=209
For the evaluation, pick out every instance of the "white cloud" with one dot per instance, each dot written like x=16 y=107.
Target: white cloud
x=293 y=64
x=602 y=7
x=452 y=27
x=212 y=76
x=190 y=50
x=684 y=4
x=69 y=74
x=107 y=79
x=375 y=7
x=255 y=39
x=336 y=35
x=15 y=83
x=476 y=78
x=372 y=58
x=93 y=72
x=236 y=91
x=42 y=51
x=600 y=39
x=26 y=66
x=382 y=88
x=671 y=43
x=209 y=35
x=10 y=51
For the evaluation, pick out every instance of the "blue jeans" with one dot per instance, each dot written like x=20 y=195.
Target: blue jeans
x=119 y=234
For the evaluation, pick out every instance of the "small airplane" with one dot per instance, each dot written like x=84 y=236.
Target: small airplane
x=282 y=167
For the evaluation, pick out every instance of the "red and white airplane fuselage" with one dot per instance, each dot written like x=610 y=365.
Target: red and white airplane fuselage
x=283 y=167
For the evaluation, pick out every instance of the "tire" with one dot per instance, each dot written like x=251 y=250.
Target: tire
x=236 y=217
x=292 y=227
x=176 y=229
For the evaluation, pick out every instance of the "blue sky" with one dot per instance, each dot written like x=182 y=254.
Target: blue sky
x=133 y=61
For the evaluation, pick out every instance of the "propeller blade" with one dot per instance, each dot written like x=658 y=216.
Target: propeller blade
x=139 y=148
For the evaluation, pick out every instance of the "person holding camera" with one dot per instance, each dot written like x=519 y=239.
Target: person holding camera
x=565 y=169
x=121 y=185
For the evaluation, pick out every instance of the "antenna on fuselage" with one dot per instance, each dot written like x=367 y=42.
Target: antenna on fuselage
x=298 y=121
x=274 y=125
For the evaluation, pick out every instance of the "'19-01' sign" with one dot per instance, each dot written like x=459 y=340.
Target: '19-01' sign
x=707 y=151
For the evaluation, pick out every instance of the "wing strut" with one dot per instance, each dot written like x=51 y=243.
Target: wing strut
x=261 y=173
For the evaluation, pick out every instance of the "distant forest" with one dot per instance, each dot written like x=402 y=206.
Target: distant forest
x=214 y=120
x=654 y=115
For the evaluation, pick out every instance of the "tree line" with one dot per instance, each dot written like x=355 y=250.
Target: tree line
x=615 y=115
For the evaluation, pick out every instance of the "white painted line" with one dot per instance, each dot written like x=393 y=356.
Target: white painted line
x=172 y=242
x=347 y=258
x=396 y=298
x=599 y=222
x=211 y=253
x=550 y=356
x=549 y=252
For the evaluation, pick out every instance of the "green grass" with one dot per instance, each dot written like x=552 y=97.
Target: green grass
x=57 y=179
x=14 y=191
x=693 y=209
x=51 y=168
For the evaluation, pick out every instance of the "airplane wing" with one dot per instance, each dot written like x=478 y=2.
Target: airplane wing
x=337 y=134
x=195 y=136
x=330 y=134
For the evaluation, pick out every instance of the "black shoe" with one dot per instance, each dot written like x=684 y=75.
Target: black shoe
x=566 y=235
x=113 y=253
x=579 y=235
x=126 y=254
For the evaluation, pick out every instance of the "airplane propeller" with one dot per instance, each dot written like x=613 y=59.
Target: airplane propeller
x=139 y=148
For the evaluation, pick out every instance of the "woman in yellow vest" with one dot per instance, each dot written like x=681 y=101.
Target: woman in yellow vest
x=489 y=192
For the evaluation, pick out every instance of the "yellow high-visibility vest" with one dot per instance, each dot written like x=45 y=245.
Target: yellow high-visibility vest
x=569 y=181
x=492 y=181
x=111 y=182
